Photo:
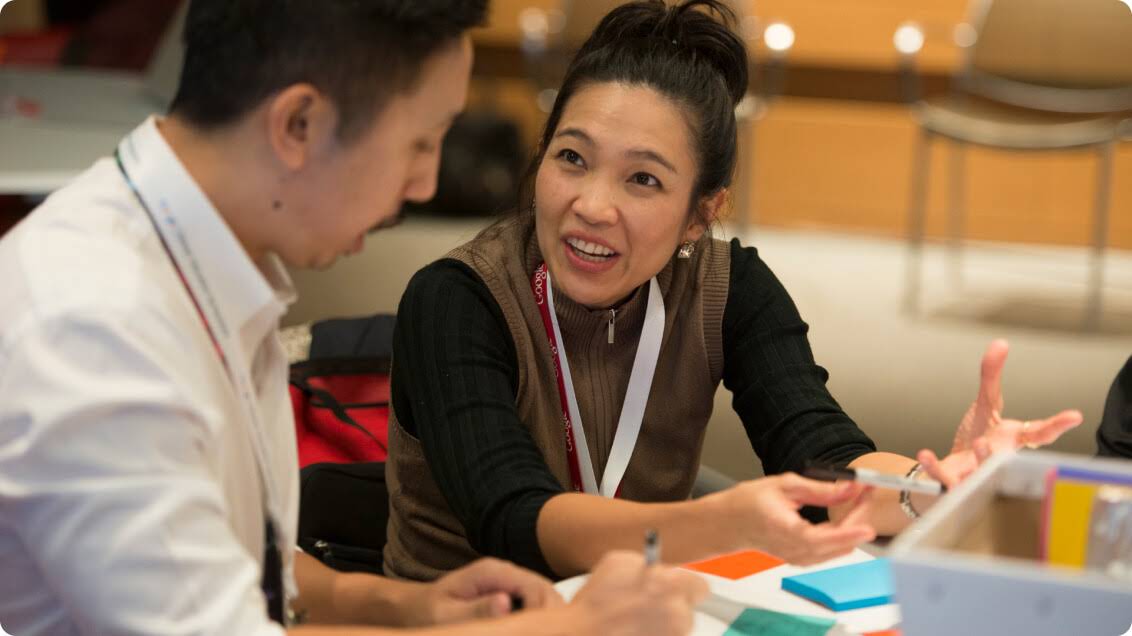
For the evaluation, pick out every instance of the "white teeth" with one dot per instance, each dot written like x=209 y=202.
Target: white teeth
x=589 y=249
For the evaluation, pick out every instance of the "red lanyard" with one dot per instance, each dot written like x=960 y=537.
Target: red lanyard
x=272 y=580
x=583 y=477
x=538 y=286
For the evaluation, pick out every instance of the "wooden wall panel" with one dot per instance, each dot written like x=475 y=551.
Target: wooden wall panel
x=859 y=33
x=855 y=33
x=846 y=165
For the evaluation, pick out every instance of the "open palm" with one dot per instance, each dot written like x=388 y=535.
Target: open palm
x=983 y=431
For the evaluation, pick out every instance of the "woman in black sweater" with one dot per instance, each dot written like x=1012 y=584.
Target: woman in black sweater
x=553 y=378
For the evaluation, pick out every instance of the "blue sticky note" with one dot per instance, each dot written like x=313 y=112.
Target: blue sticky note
x=760 y=622
x=849 y=587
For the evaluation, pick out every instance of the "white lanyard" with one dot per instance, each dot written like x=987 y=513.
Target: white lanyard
x=149 y=185
x=636 y=396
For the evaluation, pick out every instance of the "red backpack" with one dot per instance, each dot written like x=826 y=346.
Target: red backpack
x=341 y=409
x=340 y=397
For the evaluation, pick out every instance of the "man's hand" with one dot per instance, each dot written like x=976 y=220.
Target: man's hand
x=482 y=589
x=625 y=597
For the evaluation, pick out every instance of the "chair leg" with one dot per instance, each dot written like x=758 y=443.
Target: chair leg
x=956 y=203
x=1095 y=301
x=916 y=204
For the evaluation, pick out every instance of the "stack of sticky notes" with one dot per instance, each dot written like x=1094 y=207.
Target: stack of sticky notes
x=1068 y=513
x=848 y=587
x=760 y=622
x=737 y=565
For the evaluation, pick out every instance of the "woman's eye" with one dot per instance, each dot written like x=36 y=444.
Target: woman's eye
x=570 y=156
x=645 y=179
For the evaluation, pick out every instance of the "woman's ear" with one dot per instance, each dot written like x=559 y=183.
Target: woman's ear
x=706 y=214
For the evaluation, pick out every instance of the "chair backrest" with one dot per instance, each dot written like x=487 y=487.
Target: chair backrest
x=1062 y=55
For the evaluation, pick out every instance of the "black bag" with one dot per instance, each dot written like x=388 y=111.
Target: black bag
x=344 y=507
x=343 y=511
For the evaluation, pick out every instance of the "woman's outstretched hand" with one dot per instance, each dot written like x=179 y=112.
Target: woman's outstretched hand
x=983 y=431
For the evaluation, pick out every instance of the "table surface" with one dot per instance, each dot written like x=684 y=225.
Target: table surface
x=764 y=590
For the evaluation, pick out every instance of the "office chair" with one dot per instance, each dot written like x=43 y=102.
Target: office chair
x=1038 y=75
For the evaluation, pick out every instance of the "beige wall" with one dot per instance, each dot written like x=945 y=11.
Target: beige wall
x=905 y=379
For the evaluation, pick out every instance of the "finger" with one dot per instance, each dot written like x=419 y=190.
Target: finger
x=825 y=541
x=682 y=618
x=934 y=468
x=861 y=510
x=1048 y=431
x=818 y=493
x=534 y=590
x=982 y=448
x=829 y=534
x=456 y=610
x=990 y=381
x=490 y=606
x=620 y=565
x=490 y=576
x=689 y=586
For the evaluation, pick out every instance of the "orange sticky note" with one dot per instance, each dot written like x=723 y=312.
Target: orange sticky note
x=887 y=632
x=736 y=565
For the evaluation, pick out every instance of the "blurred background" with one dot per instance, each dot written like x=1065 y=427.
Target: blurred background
x=923 y=177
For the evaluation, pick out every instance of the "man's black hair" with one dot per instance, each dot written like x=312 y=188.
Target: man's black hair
x=359 y=53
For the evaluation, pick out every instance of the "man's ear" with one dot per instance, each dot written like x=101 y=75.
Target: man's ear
x=707 y=212
x=300 y=122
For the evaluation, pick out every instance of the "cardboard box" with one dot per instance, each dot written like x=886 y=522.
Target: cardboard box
x=971 y=565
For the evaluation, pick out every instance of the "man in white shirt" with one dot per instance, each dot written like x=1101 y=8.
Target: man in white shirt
x=148 y=471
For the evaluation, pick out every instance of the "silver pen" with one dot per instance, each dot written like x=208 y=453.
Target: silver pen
x=652 y=547
x=874 y=478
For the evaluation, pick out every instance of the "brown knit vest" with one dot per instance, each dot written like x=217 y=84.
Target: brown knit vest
x=425 y=538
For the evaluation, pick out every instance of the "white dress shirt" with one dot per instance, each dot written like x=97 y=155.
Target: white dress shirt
x=131 y=501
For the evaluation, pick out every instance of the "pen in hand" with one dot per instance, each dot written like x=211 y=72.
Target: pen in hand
x=652 y=547
x=874 y=478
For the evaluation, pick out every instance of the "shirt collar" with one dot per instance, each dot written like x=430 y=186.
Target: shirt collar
x=249 y=298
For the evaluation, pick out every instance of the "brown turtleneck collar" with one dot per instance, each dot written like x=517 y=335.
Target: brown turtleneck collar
x=577 y=319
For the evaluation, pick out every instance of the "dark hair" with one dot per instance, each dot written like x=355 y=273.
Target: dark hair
x=360 y=53
x=683 y=53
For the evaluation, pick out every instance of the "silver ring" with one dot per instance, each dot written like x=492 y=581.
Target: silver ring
x=1024 y=435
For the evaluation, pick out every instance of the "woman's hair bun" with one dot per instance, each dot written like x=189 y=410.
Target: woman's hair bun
x=689 y=26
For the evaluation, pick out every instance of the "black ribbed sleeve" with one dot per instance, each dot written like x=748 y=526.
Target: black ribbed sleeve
x=455 y=380
x=453 y=386
x=778 y=390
